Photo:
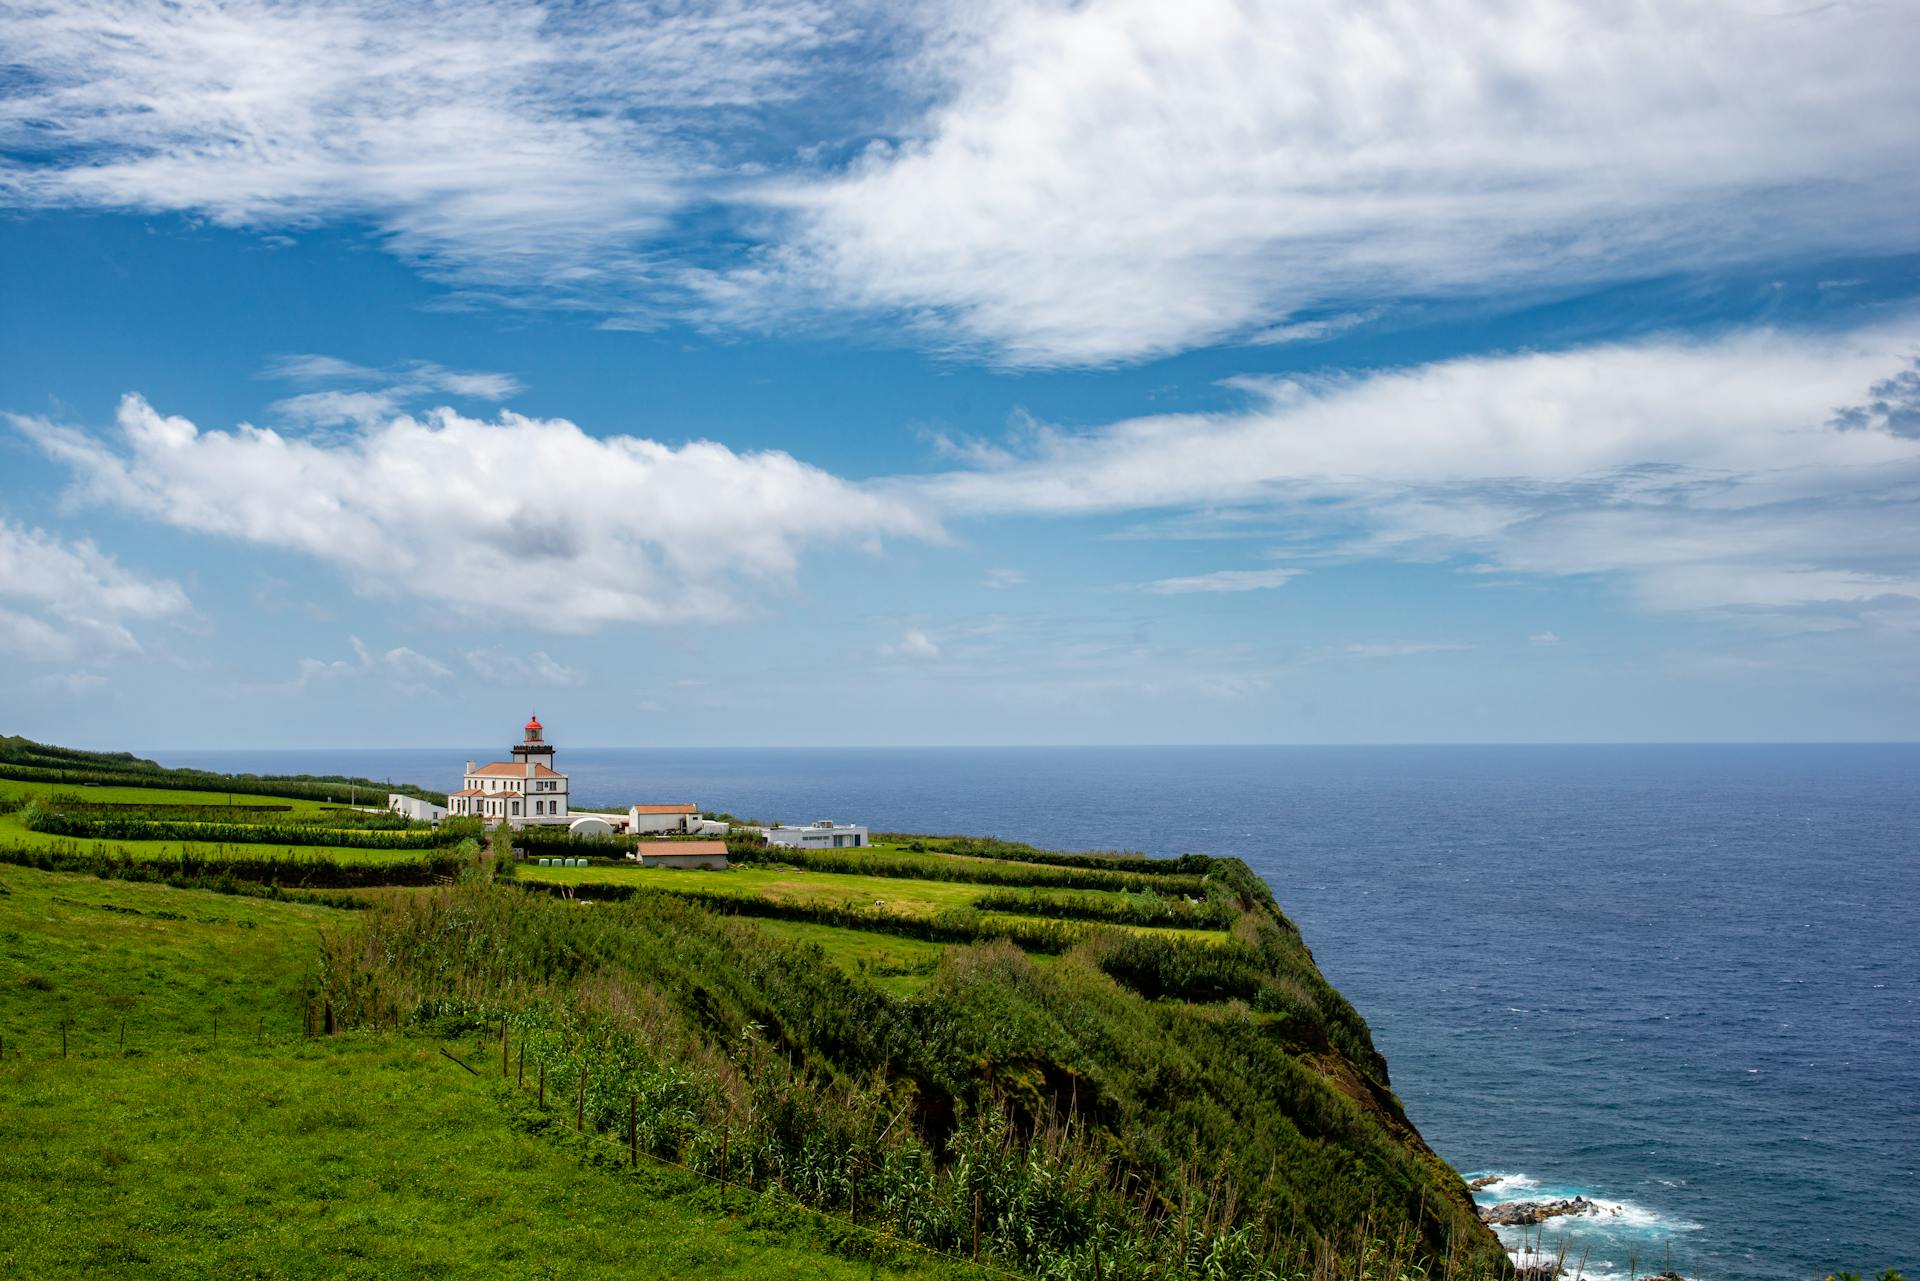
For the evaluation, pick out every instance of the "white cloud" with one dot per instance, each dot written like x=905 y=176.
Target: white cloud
x=511 y=146
x=1223 y=580
x=1401 y=649
x=61 y=601
x=536 y=668
x=1054 y=184
x=401 y=667
x=998 y=578
x=1722 y=474
x=1115 y=179
x=1313 y=330
x=526 y=519
x=364 y=405
x=1543 y=638
x=914 y=644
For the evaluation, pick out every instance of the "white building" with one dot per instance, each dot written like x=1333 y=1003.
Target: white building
x=823 y=835
x=416 y=809
x=661 y=818
x=526 y=789
x=589 y=825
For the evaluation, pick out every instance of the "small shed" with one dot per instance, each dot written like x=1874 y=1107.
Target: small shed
x=711 y=854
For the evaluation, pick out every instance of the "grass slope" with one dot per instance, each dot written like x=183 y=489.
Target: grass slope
x=274 y=1156
x=371 y=1158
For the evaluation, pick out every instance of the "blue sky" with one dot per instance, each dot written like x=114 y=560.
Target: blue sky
x=974 y=373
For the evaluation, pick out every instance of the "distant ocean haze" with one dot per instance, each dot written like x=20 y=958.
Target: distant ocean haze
x=1679 y=980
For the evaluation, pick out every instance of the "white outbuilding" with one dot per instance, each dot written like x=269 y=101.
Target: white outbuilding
x=589 y=825
x=823 y=835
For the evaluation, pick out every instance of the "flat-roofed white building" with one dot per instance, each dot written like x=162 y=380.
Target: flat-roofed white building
x=414 y=808
x=823 y=835
x=661 y=818
x=526 y=789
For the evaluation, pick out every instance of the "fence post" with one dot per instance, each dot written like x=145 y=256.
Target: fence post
x=853 y=1193
x=633 y=1132
x=1096 y=1260
x=123 y=1036
x=976 y=1225
x=216 y=1031
x=503 y=1046
x=329 y=1027
x=521 y=1080
x=726 y=1133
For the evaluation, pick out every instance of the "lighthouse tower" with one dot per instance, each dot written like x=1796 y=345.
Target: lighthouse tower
x=535 y=750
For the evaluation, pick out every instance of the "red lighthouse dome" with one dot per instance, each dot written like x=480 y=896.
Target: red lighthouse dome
x=533 y=729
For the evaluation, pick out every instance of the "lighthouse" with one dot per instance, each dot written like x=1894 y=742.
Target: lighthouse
x=534 y=750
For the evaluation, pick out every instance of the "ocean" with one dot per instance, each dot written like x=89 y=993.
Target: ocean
x=1683 y=981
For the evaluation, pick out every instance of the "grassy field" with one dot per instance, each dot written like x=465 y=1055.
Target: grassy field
x=897 y=965
x=15 y=833
x=270 y=1155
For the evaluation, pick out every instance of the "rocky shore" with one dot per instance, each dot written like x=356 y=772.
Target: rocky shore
x=1515 y=1214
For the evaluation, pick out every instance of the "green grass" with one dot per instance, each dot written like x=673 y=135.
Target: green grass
x=166 y=962
x=897 y=965
x=160 y=796
x=15 y=833
x=782 y=884
x=372 y=1158
x=283 y=1157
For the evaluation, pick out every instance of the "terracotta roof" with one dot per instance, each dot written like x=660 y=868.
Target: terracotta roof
x=473 y=791
x=657 y=848
x=688 y=808
x=513 y=769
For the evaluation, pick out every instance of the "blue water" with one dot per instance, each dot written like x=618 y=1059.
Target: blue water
x=1681 y=980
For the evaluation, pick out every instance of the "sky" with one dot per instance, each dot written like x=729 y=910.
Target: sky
x=968 y=372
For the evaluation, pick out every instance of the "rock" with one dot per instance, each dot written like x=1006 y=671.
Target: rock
x=1517 y=1214
x=1664 y=1276
x=1485 y=1181
x=1538 y=1272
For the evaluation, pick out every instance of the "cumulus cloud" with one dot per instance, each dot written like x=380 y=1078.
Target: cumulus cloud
x=1222 y=580
x=525 y=519
x=1109 y=180
x=374 y=394
x=1704 y=474
x=537 y=668
x=63 y=601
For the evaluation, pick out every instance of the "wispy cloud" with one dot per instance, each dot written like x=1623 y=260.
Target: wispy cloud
x=1051 y=184
x=64 y=601
x=374 y=394
x=1701 y=475
x=1543 y=638
x=519 y=149
x=999 y=578
x=1401 y=649
x=534 y=669
x=1122 y=178
x=401 y=667
x=522 y=518
x=1223 y=580
x=915 y=643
